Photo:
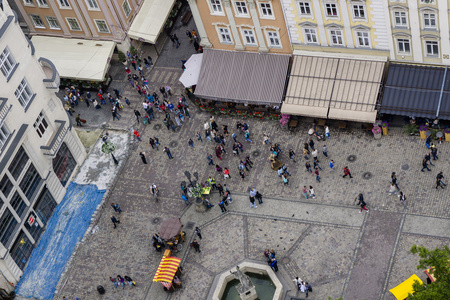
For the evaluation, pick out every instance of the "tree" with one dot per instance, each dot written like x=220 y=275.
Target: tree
x=439 y=259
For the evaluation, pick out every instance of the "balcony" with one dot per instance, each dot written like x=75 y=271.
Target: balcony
x=52 y=76
x=4 y=109
x=56 y=140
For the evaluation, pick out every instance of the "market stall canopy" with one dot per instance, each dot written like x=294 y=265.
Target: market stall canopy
x=405 y=288
x=245 y=77
x=76 y=58
x=419 y=91
x=150 y=20
x=327 y=85
x=170 y=228
x=167 y=269
x=192 y=71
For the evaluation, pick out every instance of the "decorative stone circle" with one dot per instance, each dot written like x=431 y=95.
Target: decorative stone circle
x=285 y=260
x=351 y=158
x=378 y=145
x=367 y=175
x=173 y=144
x=405 y=167
x=157 y=127
x=156 y=220
x=256 y=153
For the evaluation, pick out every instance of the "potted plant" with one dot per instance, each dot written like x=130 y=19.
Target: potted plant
x=447 y=134
x=422 y=130
x=384 y=127
x=376 y=130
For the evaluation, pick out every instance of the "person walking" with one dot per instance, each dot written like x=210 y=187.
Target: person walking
x=392 y=189
x=233 y=135
x=394 y=180
x=325 y=150
x=292 y=154
x=198 y=232
x=428 y=158
x=305 y=153
x=439 y=178
x=258 y=197
x=332 y=166
x=199 y=136
x=428 y=142
x=247 y=136
x=266 y=139
x=226 y=173
x=252 y=201
x=314 y=154
x=316 y=164
x=305 y=192
x=210 y=159
x=151 y=141
x=434 y=152
x=186 y=199
x=191 y=143
x=308 y=288
x=218 y=153
x=78 y=120
x=114 y=221
x=316 y=172
x=116 y=207
x=297 y=281
x=361 y=202
x=220 y=189
x=142 y=155
x=113 y=280
x=121 y=281
x=402 y=198
x=347 y=172
x=308 y=167
x=425 y=165
x=136 y=134
x=156 y=142
x=176 y=40
x=285 y=179
x=311 y=144
x=137 y=114
x=167 y=150
x=196 y=246
x=274 y=265
x=311 y=192
x=222 y=206
x=114 y=114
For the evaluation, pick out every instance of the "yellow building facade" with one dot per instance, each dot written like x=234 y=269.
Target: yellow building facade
x=250 y=25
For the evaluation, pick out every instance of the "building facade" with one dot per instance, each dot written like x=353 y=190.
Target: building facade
x=39 y=150
x=250 y=25
x=347 y=26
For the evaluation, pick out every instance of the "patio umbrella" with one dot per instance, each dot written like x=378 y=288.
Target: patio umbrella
x=170 y=228
x=192 y=71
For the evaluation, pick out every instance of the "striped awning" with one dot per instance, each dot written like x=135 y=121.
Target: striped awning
x=167 y=269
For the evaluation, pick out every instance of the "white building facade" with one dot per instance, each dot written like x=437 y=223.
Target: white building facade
x=39 y=150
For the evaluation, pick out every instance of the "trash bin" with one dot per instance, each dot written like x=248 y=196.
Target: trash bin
x=101 y=290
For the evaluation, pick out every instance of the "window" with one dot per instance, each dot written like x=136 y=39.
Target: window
x=404 y=46
x=73 y=24
x=400 y=18
x=92 y=4
x=28 y=2
x=64 y=4
x=53 y=23
x=310 y=35
x=266 y=10
x=45 y=205
x=23 y=93
x=225 y=36
x=21 y=250
x=41 y=124
x=4 y=135
x=432 y=48
x=304 y=8
x=241 y=8
x=274 y=39
x=1 y=203
x=18 y=204
x=126 y=8
x=249 y=37
x=42 y=3
x=7 y=225
x=429 y=20
x=18 y=163
x=216 y=6
x=331 y=10
x=427 y=1
x=7 y=62
x=30 y=182
x=359 y=11
x=101 y=26
x=363 y=38
x=63 y=164
x=336 y=37
x=38 y=23
x=6 y=186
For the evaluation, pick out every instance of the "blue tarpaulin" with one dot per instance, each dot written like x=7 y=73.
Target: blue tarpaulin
x=65 y=229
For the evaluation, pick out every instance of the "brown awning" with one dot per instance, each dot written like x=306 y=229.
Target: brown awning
x=327 y=86
x=244 y=77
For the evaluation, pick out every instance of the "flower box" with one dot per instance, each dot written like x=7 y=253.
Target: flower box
x=384 y=127
x=447 y=134
x=422 y=130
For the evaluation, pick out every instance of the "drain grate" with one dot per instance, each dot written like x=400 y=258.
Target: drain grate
x=156 y=220
x=173 y=144
x=157 y=127
x=367 y=175
x=190 y=225
x=256 y=153
x=405 y=167
x=351 y=158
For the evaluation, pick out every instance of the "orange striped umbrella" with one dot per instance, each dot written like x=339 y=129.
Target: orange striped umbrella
x=167 y=269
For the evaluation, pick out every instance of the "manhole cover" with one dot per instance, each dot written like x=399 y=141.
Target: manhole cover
x=378 y=145
x=351 y=158
x=256 y=153
x=367 y=175
x=173 y=144
x=156 y=220
x=157 y=127
x=190 y=225
x=405 y=167
x=178 y=128
x=285 y=260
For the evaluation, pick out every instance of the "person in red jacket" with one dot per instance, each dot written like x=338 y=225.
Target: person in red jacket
x=347 y=172
x=136 y=134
